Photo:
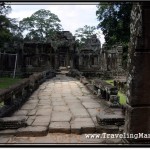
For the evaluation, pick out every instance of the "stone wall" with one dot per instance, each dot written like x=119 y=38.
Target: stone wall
x=138 y=85
x=111 y=59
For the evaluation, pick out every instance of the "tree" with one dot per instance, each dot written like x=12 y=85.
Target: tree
x=114 y=20
x=4 y=10
x=41 y=25
x=9 y=30
x=5 y=24
x=84 y=33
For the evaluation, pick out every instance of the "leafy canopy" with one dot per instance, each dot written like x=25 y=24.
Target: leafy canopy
x=9 y=31
x=82 y=34
x=114 y=21
x=41 y=25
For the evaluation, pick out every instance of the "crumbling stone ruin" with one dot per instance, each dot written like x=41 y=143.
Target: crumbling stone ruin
x=89 y=55
x=62 y=50
x=39 y=56
x=51 y=54
x=92 y=58
x=111 y=59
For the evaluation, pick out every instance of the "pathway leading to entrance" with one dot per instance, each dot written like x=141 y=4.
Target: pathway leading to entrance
x=61 y=105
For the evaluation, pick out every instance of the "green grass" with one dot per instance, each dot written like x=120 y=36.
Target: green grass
x=6 y=82
x=122 y=98
x=110 y=82
x=120 y=94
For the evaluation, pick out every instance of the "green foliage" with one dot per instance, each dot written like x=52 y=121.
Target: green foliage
x=120 y=94
x=9 y=30
x=5 y=34
x=82 y=34
x=114 y=20
x=4 y=10
x=41 y=25
x=122 y=97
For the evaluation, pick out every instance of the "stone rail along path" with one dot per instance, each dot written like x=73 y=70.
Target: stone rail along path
x=59 y=105
x=16 y=95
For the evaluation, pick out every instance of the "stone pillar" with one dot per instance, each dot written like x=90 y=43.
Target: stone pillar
x=137 y=119
x=56 y=61
x=68 y=58
x=119 y=51
x=89 y=61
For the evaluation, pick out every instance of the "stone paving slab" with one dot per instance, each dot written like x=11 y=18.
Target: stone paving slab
x=82 y=125
x=59 y=127
x=93 y=112
x=32 y=112
x=60 y=108
x=30 y=121
x=79 y=112
x=4 y=140
x=41 y=121
x=57 y=138
x=28 y=106
x=91 y=104
x=61 y=116
x=21 y=113
x=60 y=103
x=44 y=112
x=8 y=132
x=32 y=131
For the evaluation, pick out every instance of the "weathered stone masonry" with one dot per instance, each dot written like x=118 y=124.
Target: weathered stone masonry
x=138 y=83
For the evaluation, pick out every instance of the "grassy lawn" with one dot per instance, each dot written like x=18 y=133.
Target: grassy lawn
x=122 y=98
x=120 y=94
x=110 y=82
x=6 y=82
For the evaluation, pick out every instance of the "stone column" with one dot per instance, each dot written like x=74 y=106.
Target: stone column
x=56 y=61
x=89 y=61
x=68 y=58
x=137 y=119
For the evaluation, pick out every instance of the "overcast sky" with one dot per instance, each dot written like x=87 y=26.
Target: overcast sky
x=72 y=16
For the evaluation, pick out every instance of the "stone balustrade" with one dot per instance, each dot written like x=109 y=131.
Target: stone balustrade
x=105 y=88
x=13 y=97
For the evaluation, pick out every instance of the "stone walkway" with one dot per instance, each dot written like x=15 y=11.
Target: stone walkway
x=60 y=106
x=56 y=138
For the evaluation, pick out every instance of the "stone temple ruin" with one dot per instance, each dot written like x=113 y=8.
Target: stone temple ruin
x=39 y=60
x=111 y=59
x=93 y=61
x=38 y=56
x=89 y=54
x=63 y=51
x=52 y=54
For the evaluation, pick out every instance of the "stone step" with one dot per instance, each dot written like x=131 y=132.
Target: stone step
x=12 y=122
x=110 y=123
x=110 y=119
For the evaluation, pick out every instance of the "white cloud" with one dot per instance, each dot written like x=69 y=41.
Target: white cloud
x=72 y=16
